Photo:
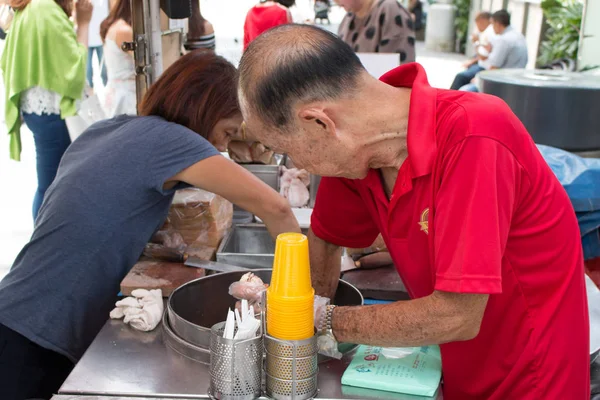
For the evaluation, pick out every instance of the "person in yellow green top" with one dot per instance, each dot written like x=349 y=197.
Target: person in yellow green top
x=44 y=66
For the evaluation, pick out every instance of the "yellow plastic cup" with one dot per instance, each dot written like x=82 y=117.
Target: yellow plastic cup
x=291 y=266
x=290 y=318
x=291 y=303
x=290 y=296
x=286 y=327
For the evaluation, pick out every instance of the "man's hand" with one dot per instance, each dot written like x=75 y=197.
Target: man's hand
x=441 y=317
x=468 y=63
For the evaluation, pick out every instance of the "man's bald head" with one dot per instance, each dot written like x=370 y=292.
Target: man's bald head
x=293 y=63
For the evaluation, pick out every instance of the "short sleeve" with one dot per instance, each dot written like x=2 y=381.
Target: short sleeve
x=473 y=211
x=171 y=149
x=499 y=53
x=340 y=216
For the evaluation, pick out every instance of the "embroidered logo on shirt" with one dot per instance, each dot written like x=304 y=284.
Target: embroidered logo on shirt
x=424 y=222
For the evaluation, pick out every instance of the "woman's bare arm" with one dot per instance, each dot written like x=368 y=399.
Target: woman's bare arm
x=227 y=179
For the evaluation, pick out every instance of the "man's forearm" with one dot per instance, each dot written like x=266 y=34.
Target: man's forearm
x=438 y=318
x=325 y=265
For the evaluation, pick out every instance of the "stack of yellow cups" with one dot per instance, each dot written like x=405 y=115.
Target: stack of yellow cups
x=290 y=297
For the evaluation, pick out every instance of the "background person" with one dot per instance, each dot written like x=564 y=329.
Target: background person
x=264 y=16
x=508 y=48
x=120 y=94
x=112 y=192
x=382 y=26
x=95 y=41
x=415 y=7
x=322 y=9
x=44 y=65
x=201 y=33
x=481 y=41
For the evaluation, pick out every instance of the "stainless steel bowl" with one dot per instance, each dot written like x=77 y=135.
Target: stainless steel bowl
x=192 y=309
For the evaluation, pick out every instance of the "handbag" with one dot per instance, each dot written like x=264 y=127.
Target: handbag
x=90 y=111
x=6 y=16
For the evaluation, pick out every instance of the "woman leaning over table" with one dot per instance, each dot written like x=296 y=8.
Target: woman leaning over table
x=112 y=192
x=44 y=66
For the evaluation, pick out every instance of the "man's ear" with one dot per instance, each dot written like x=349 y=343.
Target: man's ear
x=319 y=116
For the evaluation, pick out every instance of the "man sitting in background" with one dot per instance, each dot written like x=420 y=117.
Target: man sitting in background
x=507 y=50
x=481 y=40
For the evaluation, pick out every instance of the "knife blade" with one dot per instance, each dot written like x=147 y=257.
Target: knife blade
x=162 y=253
x=196 y=262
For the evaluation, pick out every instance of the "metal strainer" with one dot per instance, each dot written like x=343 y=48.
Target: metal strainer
x=291 y=368
x=235 y=366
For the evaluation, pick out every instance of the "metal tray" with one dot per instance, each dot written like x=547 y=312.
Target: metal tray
x=192 y=309
x=248 y=245
x=269 y=174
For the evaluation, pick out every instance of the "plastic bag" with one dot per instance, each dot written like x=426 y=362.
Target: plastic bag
x=398 y=352
x=327 y=347
x=294 y=186
x=250 y=152
x=240 y=152
x=260 y=154
x=581 y=179
x=200 y=217
x=251 y=291
x=169 y=238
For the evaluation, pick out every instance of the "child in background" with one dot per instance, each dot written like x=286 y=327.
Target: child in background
x=322 y=8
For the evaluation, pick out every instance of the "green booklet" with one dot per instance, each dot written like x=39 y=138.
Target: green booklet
x=418 y=373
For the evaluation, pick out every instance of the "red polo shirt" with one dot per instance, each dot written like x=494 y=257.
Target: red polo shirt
x=476 y=209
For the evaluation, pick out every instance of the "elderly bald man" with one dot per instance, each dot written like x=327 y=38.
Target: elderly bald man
x=482 y=234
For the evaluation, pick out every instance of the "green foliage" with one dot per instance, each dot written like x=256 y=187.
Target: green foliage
x=562 y=37
x=461 y=23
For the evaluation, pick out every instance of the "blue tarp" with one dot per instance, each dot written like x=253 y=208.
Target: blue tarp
x=581 y=179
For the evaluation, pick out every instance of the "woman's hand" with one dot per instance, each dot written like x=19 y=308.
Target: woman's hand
x=227 y=179
x=83 y=12
x=83 y=15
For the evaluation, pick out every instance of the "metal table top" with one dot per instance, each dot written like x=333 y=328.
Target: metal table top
x=542 y=78
x=123 y=362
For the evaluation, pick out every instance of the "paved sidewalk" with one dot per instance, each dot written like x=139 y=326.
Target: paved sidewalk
x=19 y=179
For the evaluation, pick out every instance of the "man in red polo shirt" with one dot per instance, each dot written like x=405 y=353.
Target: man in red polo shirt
x=483 y=235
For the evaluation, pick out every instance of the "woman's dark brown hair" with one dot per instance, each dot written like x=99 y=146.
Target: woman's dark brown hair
x=197 y=91
x=121 y=10
x=66 y=5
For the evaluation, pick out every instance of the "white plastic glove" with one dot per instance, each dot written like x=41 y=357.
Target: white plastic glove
x=142 y=311
x=250 y=291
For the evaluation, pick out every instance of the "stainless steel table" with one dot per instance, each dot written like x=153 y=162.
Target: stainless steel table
x=123 y=363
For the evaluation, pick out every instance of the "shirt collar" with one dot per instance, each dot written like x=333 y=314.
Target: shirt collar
x=421 y=137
